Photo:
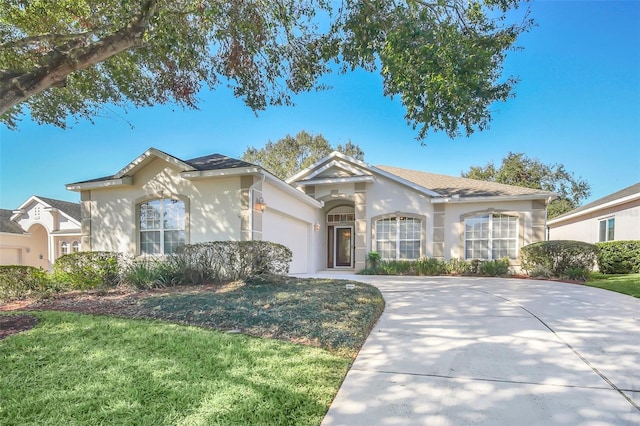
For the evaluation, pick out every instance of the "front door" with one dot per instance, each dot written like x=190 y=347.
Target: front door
x=343 y=246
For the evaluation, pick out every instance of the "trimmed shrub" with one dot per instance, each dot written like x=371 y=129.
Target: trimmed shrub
x=17 y=281
x=219 y=261
x=560 y=257
x=88 y=269
x=618 y=257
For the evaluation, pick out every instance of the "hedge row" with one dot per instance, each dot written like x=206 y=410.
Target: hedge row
x=431 y=267
x=193 y=264
x=20 y=281
x=619 y=257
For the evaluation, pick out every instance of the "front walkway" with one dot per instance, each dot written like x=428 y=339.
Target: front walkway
x=456 y=351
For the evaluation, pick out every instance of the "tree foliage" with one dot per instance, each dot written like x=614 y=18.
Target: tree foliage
x=70 y=58
x=519 y=170
x=290 y=154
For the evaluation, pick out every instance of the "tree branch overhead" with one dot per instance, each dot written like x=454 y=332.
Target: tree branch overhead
x=444 y=59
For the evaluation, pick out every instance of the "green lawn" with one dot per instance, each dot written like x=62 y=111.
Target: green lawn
x=83 y=369
x=161 y=361
x=625 y=284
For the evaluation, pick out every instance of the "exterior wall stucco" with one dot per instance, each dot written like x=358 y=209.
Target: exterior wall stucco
x=586 y=227
x=212 y=207
x=40 y=247
x=385 y=197
x=343 y=190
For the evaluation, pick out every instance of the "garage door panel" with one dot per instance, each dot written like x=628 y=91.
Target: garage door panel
x=289 y=232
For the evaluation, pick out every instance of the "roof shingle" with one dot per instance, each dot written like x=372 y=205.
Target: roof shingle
x=630 y=190
x=217 y=162
x=72 y=209
x=7 y=225
x=449 y=186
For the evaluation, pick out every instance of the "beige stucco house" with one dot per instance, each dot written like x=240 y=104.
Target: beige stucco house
x=615 y=217
x=39 y=231
x=330 y=214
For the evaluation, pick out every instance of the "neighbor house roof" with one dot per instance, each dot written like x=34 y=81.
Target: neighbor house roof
x=7 y=225
x=71 y=209
x=451 y=186
x=67 y=208
x=627 y=194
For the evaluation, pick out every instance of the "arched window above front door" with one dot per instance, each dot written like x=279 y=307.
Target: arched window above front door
x=341 y=215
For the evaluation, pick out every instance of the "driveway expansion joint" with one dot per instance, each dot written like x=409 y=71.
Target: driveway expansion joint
x=568 y=345
x=480 y=379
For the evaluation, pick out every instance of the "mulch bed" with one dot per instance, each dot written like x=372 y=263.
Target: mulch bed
x=12 y=324
x=116 y=302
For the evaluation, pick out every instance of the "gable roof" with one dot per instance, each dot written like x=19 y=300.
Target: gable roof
x=7 y=225
x=360 y=170
x=452 y=186
x=208 y=166
x=72 y=210
x=192 y=167
x=619 y=197
x=441 y=188
x=67 y=208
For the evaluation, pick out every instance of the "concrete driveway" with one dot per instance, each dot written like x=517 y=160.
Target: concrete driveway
x=491 y=351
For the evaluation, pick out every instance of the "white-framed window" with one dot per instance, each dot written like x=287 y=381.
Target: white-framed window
x=399 y=238
x=162 y=226
x=75 y=246
x=491 y=236
x=607 y=229
x=64 y=248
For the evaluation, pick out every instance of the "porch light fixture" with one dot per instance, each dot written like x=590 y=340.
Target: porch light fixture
x=260 y=204
x=316 y=227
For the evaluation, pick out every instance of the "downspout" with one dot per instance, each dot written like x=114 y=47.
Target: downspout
x=252 y=188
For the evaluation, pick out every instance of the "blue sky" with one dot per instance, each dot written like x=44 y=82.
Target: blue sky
x=578 y=104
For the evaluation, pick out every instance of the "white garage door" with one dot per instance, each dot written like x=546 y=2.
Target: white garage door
x=290 y=232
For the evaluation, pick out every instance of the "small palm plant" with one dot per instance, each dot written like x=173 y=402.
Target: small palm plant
x=374 y=259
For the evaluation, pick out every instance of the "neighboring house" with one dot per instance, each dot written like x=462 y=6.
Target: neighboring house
x=615 y=217
x=330 y=214
x=39 y=231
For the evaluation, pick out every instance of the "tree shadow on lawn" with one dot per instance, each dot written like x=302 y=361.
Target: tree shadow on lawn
x=312 y=312
x=94 y=370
